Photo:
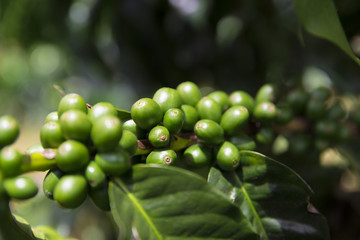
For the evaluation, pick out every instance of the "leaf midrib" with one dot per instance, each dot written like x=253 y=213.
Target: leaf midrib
x=252 y=207
x=139 y=208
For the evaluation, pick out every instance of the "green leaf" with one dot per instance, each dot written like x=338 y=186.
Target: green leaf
x=161 y=202
x=320 y=19
x=273 y=198
x=123 y=114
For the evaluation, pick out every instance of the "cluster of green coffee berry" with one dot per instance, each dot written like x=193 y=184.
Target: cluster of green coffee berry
x=11 y=161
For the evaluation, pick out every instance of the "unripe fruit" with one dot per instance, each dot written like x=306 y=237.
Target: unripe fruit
x=51 y=135
x=75 y=125
x=72 y=156
x=164 y=156
x=297 y=100
x=336 y=111
x=209 y=132
x=106 y=133
x=101 y=109
x=53 y=116
x=300 y=144
x=114 y=163
x=189 y=93
x=100 y=197
x=173 y=120
x=35 y=148
x=234 y=119
x=197 y=156
x=326 y=129
x=129 y=142
x=342 y=133
x=243 y=142
x=267 y=93
x=9 y=130
x=320 y=93
x=131 y=126
x=315 y=109
x=209 y=109
x=146 y=113
x=167 y=98
x=10 y=161
x=50 y=181
x=71 y=191
x=159 y=136
x=71 y=101
x=241 y=98
x=190 y=117
x=221 y=98
x=265 y=112
x=95 y=175
x=20 y=187
x=265 y=135
x=284 y=115
x=228 y=157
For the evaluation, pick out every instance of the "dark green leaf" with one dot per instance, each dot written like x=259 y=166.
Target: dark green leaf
x=273 y=198
x=161 y=202
x=123 y=114
x=320 y=19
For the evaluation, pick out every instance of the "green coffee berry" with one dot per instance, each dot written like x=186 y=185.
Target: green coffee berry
x=146 y=113
x=336 y=111
x=189 y=93
x=106 y=133
x=10 y=161
x=131 y=126
x=197 y=156
x=50 y=181
x=167 y=98
x=163 y=156
x=321 y=93
x=300 y=144
x=342 y=133
x=129 y=142
x=284 y=115
x=267 y=93
x=265 y=112
x=75 y=125
x=243 y=142
x=265 y=135
x=20 y=188
x=227 y=157
x=71 y=191
x=159 y=136
x=234 y=119
x=53 y=116
x=100 y=197
x=315 y=109
x=51 y=135
x=190 y=117
x=71 y=101
x=241 y=98
x=321 y=144
x=101 y=109
x=94 y=175
x=174 y=120
x=209 y=109
x=209 y=132
x=114 y=163
x=72 y=156
x=297 y=100
x=326 y=129
x=221 y=98
x=9 y=130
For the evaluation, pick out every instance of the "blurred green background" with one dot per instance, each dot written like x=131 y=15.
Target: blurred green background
x=119 y=51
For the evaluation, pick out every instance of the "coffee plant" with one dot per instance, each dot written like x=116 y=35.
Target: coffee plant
x=179 y=165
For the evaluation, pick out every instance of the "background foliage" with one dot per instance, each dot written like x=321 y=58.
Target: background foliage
x=119 y=51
